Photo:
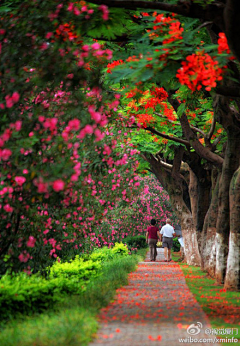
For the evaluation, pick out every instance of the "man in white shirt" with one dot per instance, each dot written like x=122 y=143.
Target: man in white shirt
x=167 y=233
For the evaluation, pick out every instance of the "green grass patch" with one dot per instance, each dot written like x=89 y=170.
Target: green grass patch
x=74 y=319
x=221 y=307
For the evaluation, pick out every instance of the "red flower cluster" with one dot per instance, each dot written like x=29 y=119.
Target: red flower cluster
x=144 y=119
x=169 y=26
x=168 y=112
x=175 y=31
x=199 y=69
x=114 y=64
x=159 y=93
x=222 y=44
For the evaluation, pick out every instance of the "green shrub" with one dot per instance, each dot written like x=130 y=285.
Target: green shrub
x=25 y=294
x=74 y=321
x=138 y=241
x=102 y=255
x=77 y=268
x=120 y=249
x=20 y=293
x=176 y=245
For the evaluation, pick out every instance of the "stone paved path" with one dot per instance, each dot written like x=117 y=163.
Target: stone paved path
x=155 y=308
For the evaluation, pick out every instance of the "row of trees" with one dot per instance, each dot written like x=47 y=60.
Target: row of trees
x=193 y=55
x=165 y=77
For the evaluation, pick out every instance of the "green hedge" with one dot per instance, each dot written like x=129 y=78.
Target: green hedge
x=74 y=320
x=138 y=241
x=176 y=245
x=25 y=294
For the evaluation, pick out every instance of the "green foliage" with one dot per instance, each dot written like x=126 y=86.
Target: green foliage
x=74 y=322
x=120 y=249
x=176 y=245
x=21 y=293
x=76 y=268
x=138 y=241
x=102 y=255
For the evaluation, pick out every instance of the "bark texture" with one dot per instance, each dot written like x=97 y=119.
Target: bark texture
x=174 y=185
x=232 y=280
x=208 y=244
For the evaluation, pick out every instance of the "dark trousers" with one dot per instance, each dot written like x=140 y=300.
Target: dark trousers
x=153 y=248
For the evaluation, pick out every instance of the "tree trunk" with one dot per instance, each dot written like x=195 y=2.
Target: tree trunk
x=230 y=164
x=175 y=191
x=193 y=192
x=232 y=280
x=208 y=246
x=191 y=251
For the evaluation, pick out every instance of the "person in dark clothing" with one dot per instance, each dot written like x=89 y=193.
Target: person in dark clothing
x=152 y=236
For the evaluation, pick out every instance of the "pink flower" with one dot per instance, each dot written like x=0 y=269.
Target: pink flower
x=76 y=11
x=88 y=129
x=15 y=97
x=96 y=45
x=70 y=7
x=5 y=154
x=48 y=35
x=25 y=171
x=20 y=180
x=9 y=101
x=18 y=125
x=58 y=185
x=44 y=46
x=8 y=208
x=31 y=241
x=24 y=257
x=74 y=124
x=42 y=187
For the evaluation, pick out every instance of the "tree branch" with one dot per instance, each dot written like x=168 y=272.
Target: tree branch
x=232 y=28
x=177 y=162
x=195 y=129
x=210 y=133
x=175 y=139
x=184 y=8
x=202 y=151
x=228 y=91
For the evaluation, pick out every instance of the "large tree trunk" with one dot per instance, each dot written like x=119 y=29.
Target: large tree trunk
x=175 y=191
x=191 y=250
x=222 y=236
x=232 y=280
x=193 y=192
x=208 y=246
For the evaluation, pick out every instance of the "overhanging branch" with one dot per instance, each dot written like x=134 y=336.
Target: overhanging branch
x=163 y=135
x=195 y=129
x=184 y=8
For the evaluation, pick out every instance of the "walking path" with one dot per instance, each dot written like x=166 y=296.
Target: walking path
x=155 y=308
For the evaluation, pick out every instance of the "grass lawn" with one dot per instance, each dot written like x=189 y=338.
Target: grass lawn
x=222 y=308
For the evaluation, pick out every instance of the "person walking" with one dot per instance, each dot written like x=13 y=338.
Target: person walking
x=152 y=236
x=167 y=233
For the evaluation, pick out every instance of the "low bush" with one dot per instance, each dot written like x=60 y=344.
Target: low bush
x=20 y=293
x=102 y=255
x=78 y=268
x=138 y=241
x=120 y=249
x=74 y=321
x=176 y=245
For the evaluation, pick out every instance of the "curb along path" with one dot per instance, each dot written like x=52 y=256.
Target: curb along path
x=155 y=308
